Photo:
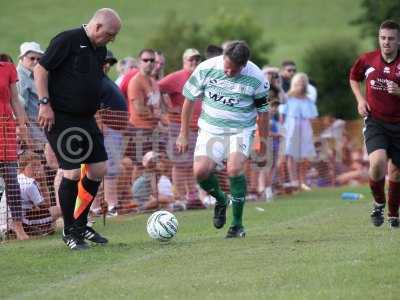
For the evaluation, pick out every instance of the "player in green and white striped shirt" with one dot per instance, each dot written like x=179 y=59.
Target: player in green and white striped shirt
x=234 y=94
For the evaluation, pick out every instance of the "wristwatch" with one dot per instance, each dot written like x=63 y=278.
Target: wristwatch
x=44 y=100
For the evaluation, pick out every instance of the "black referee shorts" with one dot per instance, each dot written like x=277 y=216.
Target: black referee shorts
x=382 y=135
x=76 y=143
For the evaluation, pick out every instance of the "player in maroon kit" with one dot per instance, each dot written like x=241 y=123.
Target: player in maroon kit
x=380 y=108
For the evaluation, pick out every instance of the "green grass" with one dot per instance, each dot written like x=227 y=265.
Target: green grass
x=309 y=246
x=292 y=25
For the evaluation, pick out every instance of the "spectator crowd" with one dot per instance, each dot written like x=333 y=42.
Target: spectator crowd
x=140 y=120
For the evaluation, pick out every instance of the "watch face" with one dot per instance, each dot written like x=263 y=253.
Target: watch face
x=44 y=100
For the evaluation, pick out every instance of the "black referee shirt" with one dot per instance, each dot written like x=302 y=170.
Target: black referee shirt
x=75 y=73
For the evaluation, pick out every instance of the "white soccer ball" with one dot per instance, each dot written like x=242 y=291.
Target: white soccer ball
x=162 y=225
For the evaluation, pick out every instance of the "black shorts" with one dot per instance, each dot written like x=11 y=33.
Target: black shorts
x=382 y=135
x=76 y=141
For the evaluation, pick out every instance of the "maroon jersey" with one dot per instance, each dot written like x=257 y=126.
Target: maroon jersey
x=377 y=73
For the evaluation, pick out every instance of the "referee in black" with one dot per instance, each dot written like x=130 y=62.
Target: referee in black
x=68 y=80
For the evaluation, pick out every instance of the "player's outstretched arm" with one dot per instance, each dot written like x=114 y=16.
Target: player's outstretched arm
x=187 y=112
x=46 y=114
x=263 y=131
x=362 y=105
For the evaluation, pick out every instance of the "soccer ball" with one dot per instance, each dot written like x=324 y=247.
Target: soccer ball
x=162 y=225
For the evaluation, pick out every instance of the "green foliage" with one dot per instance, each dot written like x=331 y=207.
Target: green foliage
x=374 y=13
x=224 y=26
x=173 y=36
x=289 y=24
x=328 y=64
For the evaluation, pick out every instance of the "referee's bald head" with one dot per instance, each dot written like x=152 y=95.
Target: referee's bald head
x=107 y=15
x=104 y=26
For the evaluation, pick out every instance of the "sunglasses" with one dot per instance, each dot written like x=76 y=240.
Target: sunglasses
x=291 y=70
x=146 y=60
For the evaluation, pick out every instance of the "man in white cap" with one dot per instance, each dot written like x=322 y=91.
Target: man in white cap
x=30 y=54
x=182 y=171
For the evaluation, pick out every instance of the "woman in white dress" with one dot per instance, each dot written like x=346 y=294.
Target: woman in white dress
x=297 y=114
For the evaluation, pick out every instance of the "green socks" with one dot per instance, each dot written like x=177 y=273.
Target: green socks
x=238 y=190
x=211 y=186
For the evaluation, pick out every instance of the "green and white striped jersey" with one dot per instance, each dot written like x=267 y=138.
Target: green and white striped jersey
x=228 y=102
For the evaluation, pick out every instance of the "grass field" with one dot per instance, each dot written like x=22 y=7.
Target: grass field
x=291 y=25
x=311 y=246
